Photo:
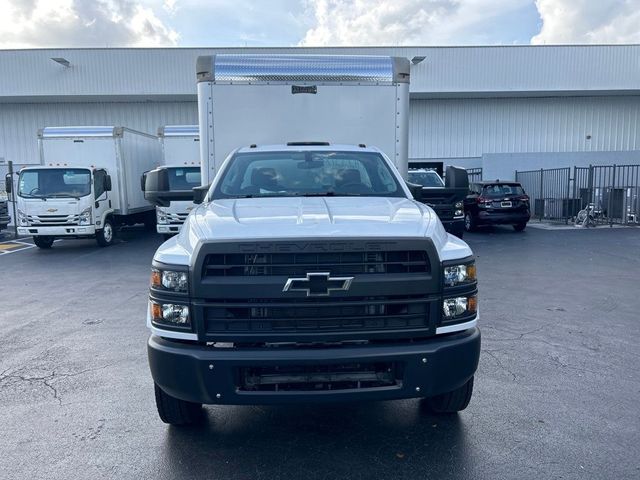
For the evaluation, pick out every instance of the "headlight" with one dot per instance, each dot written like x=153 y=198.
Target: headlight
x=169 y=280
x=170 y=314
x=459 y=307
x=85 y=217
x=459 y=274
x=458 y=213
x=459 y=205
x=161 y=216
x=22 y=218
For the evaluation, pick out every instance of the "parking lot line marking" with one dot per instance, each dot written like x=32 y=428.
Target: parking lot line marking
x=13 y=247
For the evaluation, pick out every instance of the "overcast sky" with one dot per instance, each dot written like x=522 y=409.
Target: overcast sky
x=155 y=23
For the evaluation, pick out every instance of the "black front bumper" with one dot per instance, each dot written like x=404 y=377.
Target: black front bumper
x=208 y=375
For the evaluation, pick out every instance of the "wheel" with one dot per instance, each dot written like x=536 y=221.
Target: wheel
x=518 y=227
x=175 y=411
x=43 y=241
x=451 y=402
x=105 y=236
x=167 y=236
x=469 y=222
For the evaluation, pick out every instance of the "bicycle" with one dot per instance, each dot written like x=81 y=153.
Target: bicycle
x=587 y=216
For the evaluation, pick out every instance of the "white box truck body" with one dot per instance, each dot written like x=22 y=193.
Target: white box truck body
x=181 y=156
x=87 y=184
x=261 y=100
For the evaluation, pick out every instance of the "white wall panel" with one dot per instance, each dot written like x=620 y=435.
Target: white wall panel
x=450 y=128
x=19 y=123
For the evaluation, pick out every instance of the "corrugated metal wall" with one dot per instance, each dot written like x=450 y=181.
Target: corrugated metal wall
x=439 y=128
x=453 y=128
x=458 y=71
x=19 y=123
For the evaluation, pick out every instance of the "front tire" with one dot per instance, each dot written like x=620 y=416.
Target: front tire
x=106 y=236
x=43 y=241
x=469 y=222
x=175 y=411
x=518 y=227
x=451 y=402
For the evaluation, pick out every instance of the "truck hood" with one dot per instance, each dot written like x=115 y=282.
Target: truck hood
x=305 y=217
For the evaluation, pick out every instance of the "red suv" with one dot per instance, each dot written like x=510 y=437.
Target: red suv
x=496 y=203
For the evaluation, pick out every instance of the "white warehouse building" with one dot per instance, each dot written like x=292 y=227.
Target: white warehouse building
x=502 y=108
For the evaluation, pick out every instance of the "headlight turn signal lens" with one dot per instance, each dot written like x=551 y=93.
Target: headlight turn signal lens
x=169 y=280
x=170 y=314
x=459 y=274
x=459 y=306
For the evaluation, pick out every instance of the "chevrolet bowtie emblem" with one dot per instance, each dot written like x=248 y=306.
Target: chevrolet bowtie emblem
x=318 y=284
x=52 y=210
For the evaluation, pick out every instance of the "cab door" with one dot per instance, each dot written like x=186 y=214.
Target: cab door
x=101 y=196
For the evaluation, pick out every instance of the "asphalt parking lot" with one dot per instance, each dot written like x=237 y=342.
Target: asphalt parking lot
x=556 y=394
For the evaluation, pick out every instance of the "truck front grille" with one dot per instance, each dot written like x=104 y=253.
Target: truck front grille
x=291 y=316
x=52 y=220
x=314 y=378
x=337 y=263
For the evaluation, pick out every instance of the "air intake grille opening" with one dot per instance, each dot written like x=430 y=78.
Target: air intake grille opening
x=315 y=378
x=337 y=263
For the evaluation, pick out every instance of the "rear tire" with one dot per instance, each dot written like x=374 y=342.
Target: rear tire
x=518 y=227
x=106 y=236
x=43 y=241
x=469 y=222
x=175 y=411
x=451 y=402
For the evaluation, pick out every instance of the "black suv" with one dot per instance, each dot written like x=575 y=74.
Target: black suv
x=496 y=203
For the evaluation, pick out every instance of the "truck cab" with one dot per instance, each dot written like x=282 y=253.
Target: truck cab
x=63 y=201
x=308 y=272
x=181 y=157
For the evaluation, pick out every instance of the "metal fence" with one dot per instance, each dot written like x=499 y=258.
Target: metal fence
x=475 y=174
x=558 y=194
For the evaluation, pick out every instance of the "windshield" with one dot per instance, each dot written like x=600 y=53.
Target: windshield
x=426 y=179
x=183 y=178
x=55 y=182
x=502 y=190
x=308 y=173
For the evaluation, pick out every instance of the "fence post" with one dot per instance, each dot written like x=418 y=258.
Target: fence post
x=541 y=194
x=611 y=189
x=590 y=187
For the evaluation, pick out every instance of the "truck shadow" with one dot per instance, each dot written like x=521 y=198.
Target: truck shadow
x=371 y=440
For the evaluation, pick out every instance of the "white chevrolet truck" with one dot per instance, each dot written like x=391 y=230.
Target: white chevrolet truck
x=308 y=272
x=87 y=184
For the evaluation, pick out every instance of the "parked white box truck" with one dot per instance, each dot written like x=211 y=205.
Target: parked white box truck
x=308 y=272
x=87 y=185
x=181 y=157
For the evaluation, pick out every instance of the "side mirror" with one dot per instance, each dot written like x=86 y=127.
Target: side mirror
x=143 y=180
x=107 y=183
x=157 y=191
x=8 y=183
x=456 y=178
x=416 y=191
x=199 y=194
